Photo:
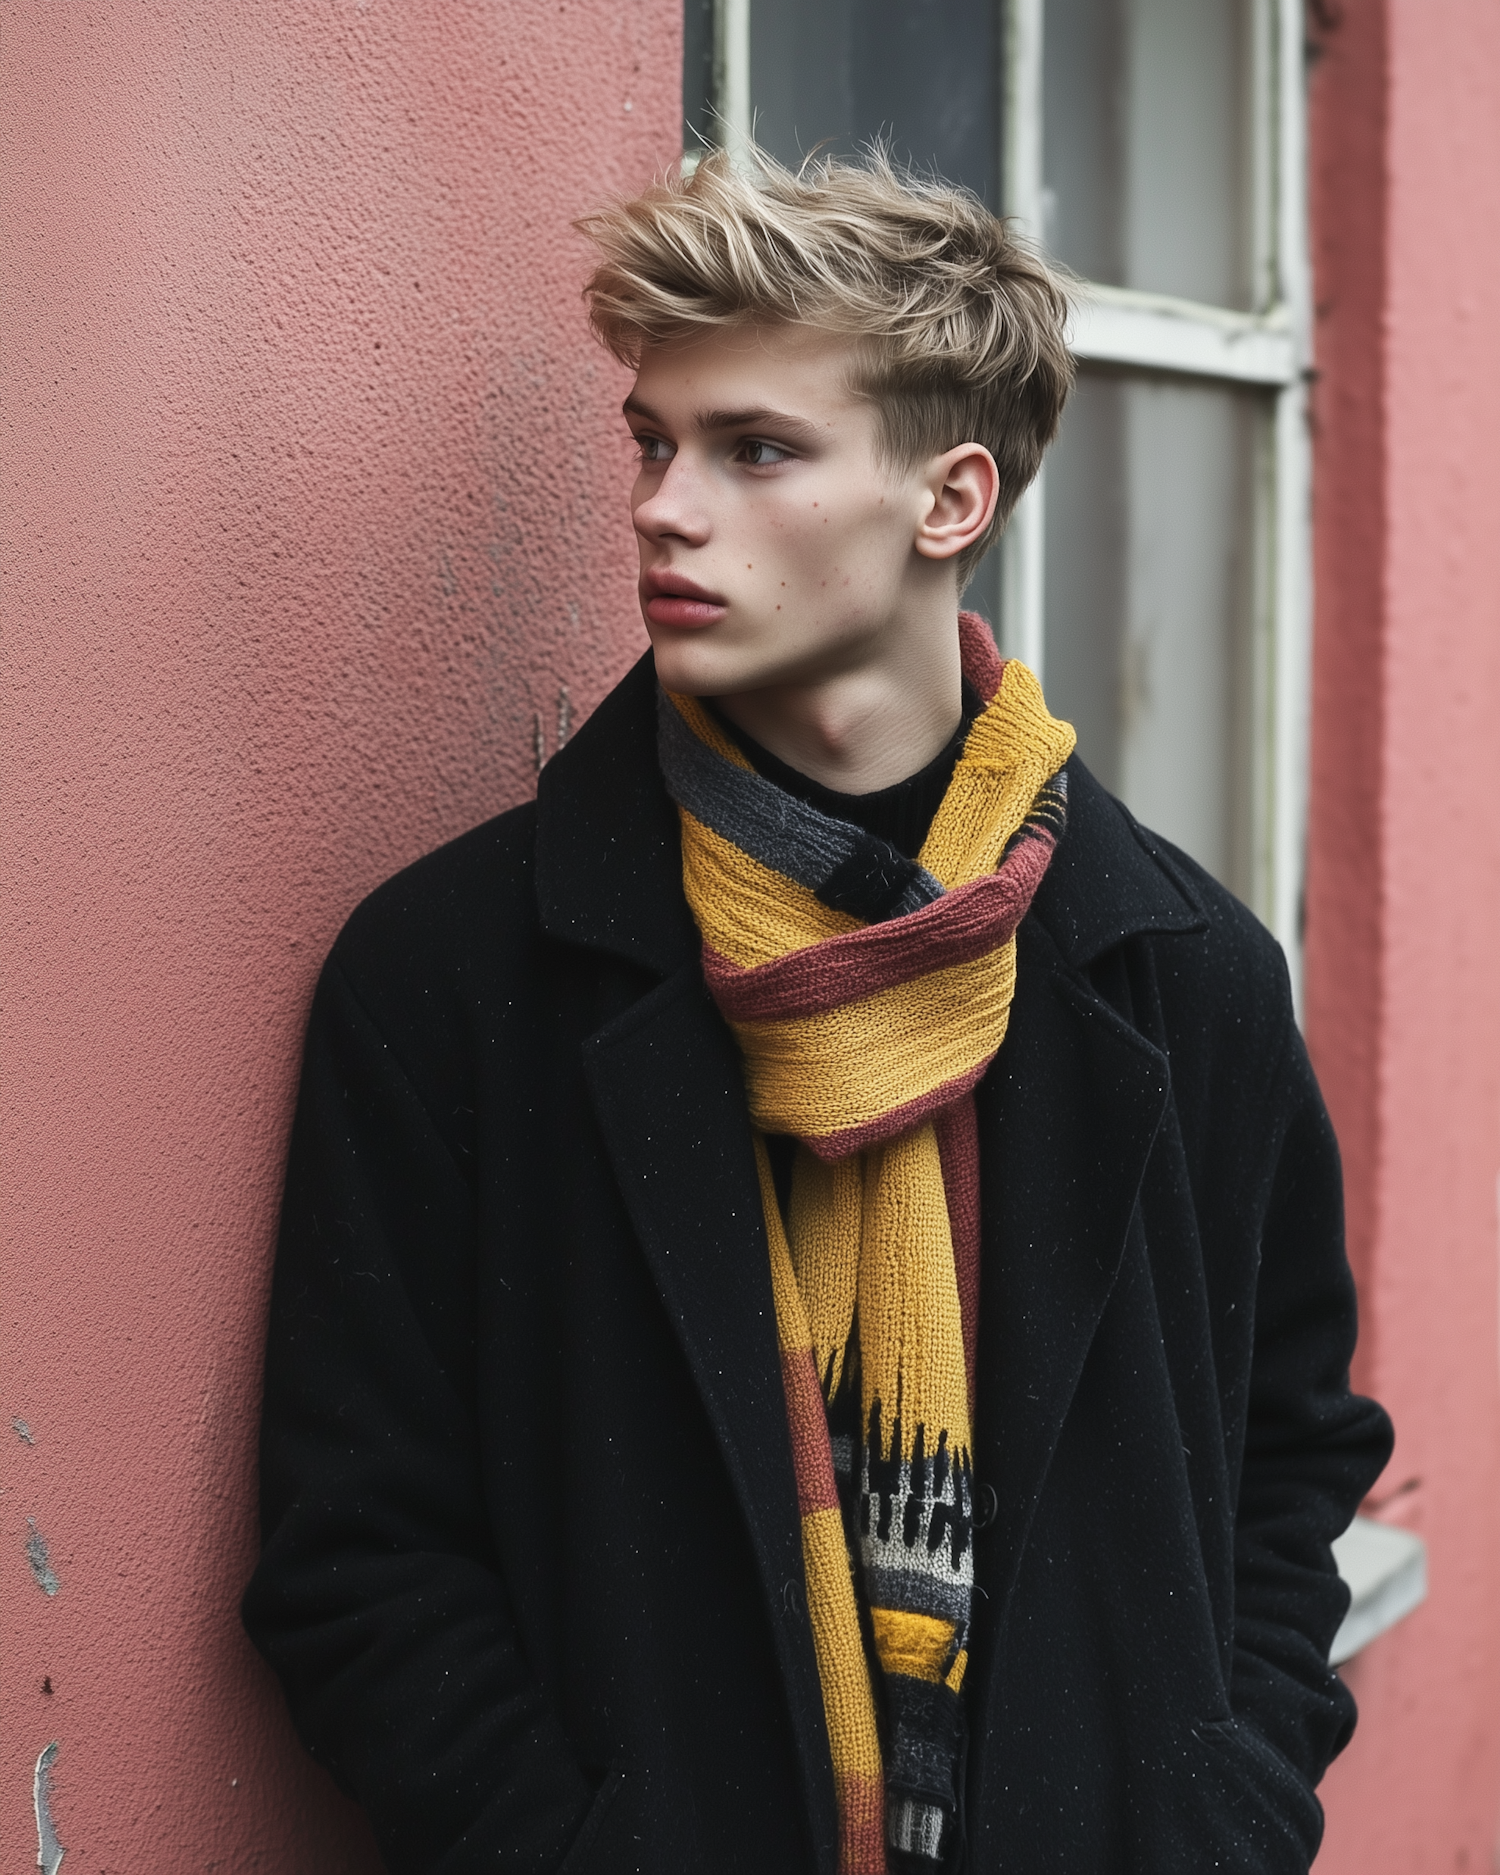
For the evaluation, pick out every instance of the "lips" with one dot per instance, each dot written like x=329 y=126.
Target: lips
x=669 y=598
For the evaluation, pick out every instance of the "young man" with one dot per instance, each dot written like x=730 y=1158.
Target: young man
x=811 y=1330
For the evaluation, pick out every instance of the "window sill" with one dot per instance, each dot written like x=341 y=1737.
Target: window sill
x=1386 y=1570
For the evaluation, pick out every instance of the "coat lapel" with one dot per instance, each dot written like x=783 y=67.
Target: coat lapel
x=669 y=1093
x=668 y=1089
x=608 y=852
x=1059 y=1170
x=1068 y=1116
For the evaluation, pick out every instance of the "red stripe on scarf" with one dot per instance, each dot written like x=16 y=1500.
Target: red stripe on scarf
x=861 y=1826
x=898 y=1120
x=807 y=1420
x=961 y=926
x=982 y=662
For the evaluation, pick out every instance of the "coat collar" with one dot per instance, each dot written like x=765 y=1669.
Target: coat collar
x=1110 y=879
x=609 y=856
x=608 y=851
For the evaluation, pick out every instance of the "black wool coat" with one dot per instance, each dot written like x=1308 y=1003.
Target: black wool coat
x=532 y=1575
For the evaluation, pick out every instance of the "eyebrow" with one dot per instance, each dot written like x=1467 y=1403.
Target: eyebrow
x=708 y=420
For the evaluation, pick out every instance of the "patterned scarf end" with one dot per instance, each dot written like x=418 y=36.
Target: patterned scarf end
x=915 y=1829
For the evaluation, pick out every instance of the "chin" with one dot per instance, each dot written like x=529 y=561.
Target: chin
x=697 y=667
x=704 y=664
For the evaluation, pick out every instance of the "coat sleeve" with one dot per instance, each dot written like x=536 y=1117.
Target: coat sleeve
x=1312 y=1447
x=377 y=1599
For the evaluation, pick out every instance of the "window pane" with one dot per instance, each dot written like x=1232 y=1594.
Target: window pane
x=698 y=74
x=1150 y=603
x=1146 y=157
x=923 y=73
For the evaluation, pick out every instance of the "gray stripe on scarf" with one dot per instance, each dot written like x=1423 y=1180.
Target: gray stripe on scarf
x=759 y=818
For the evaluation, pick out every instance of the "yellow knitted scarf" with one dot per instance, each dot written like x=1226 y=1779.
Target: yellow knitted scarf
x=864 y=1040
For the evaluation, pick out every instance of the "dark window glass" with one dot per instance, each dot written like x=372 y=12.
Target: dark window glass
x=698 y=73
x=923 y=74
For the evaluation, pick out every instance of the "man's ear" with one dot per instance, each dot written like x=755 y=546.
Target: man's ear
x=964 y=486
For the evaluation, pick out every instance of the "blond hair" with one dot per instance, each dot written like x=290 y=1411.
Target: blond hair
x=958 y=324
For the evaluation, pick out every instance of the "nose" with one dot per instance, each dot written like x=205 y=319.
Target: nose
x=673 y=505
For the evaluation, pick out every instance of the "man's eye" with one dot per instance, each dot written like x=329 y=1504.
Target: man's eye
x=762 y=455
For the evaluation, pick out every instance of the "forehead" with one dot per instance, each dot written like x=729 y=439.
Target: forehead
x=785 y=368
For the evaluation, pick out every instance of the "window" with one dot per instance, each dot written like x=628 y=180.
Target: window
x=1157 y=575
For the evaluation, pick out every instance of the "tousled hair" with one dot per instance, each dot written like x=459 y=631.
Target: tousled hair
x=957 y=323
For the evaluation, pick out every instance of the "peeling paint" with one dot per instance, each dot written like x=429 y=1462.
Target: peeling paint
x=42 y=1571
x=22 y=1431
x=49 y=1851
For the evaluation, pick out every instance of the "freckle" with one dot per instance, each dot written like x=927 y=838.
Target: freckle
x=778 y=608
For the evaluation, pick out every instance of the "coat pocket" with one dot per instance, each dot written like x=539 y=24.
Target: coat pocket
x=1230 y=1802
x=591 y=1852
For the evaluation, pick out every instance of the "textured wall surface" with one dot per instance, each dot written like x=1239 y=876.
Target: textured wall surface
x=315 y=495
x=315 y=509
x=1404 y=892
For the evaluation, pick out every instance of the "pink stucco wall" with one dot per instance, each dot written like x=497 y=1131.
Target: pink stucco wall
x=1404 y=888
x=315 y=504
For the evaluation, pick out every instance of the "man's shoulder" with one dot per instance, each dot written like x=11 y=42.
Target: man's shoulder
x=450 y=918
x=1233 y=951
x=591 y=864
x=1226 y=993
x=1228 y=1022
x=1116 y=882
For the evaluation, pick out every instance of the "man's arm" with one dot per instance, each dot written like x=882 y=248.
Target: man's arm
x=377 y=1598
x=1312 y=1448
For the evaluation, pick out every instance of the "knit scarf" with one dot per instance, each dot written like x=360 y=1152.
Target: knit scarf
x=868 y=993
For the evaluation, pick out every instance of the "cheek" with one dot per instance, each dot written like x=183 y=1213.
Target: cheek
x=857 y=541
x=814 y=525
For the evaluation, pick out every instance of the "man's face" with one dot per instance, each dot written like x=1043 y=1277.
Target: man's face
x=775 y=547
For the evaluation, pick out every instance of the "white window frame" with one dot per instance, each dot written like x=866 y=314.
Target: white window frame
x=733 y=111
x=1270 y=347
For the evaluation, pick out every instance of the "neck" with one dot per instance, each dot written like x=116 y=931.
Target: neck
x=869 y=726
